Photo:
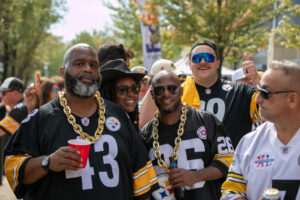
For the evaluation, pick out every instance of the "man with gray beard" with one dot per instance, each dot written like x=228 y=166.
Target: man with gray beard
x=39 y=164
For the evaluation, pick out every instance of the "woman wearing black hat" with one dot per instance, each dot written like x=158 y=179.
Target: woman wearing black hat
x=120 y=85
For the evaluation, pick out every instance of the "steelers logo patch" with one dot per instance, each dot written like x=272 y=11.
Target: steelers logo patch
x=165 y=190
x=112 y=124
x=226 y=87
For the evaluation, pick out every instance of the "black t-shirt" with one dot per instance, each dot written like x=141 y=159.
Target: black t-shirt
x=113 y=168
x=230 y=103
x=204 y=143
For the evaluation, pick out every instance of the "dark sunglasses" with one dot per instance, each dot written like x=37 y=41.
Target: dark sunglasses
x=124 y=90
x=265 y=93
x=159 y=90
x=208 y=57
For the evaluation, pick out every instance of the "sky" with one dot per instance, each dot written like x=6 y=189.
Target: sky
x=82 y=15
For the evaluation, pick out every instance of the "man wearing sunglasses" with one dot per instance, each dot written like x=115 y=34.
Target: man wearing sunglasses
x=269 y=157
x=230 y=102
x=202 y=150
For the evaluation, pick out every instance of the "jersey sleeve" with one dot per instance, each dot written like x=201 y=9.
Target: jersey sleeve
x=144 y=176
x=11 y=122
x=21 y=147
x=235 y=185
x=222 y=149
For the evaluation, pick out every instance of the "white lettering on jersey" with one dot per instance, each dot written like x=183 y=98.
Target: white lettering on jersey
x=87 y=173
x=224 y=145
x=109 y=159
x=196 y=164
x=215 y=106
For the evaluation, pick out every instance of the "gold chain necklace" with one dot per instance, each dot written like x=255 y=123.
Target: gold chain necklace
x=180 y=130
x=76 y=127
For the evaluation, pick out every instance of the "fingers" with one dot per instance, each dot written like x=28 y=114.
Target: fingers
x=177 y=177
x=65 y=158
x=38 y=83
x=246 y=58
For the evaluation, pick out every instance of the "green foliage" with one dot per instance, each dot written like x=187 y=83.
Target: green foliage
x=236 y=26
x=128 y=32
x=24 y=25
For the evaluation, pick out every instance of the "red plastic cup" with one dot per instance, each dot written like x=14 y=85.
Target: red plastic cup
x=83 y=146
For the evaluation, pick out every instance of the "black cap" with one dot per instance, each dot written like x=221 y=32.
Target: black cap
x=205 y=41
x=12 y=83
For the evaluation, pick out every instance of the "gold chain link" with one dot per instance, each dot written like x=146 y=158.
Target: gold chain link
x=177 y=141
x=76 y=127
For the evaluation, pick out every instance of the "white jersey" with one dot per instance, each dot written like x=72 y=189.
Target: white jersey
x=261 y=161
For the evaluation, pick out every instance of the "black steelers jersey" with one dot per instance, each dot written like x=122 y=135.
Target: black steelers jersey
x=118 y=166
x=204 y=143
x=230 y=102
x=11 y=122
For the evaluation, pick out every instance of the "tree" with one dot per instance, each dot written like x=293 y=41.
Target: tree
x=127 y=31
x=236 y=26
x=24 y=25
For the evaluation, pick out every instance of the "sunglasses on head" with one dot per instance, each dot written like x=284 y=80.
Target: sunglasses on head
x=160 y=90
x=208 y=57
x=124 y=90
x=265 y=94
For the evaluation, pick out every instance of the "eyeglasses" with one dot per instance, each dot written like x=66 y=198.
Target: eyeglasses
x=208 y=57
x=124 y=90
x=55 y=90
x=265 y=93
x=144 y=81
x=160 y=90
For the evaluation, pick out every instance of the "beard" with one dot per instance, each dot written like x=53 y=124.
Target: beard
x=163 y=110
x=78 y=88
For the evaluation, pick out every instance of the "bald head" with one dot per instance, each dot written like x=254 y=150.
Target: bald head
x=68 y=54
x=165 y=75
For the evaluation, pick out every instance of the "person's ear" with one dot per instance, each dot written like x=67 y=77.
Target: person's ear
x=293 y=100
x=151 y=92
x=181 y=91
x=62 y=71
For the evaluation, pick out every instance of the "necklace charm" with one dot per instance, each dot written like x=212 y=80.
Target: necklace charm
x=177 y=142
x=76 y=127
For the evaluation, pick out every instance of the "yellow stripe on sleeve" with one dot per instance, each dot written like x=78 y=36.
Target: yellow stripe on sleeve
x=9 y=124
x=234 y=183
x=143 y=179
x=225 y=158
x=12 y=166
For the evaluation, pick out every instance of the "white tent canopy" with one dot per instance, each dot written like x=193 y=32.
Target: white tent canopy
x=182 y=66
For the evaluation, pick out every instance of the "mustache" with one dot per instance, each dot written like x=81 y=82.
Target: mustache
x=86 y=75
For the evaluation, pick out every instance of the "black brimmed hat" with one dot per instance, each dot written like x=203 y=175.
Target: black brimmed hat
x=116 y=69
